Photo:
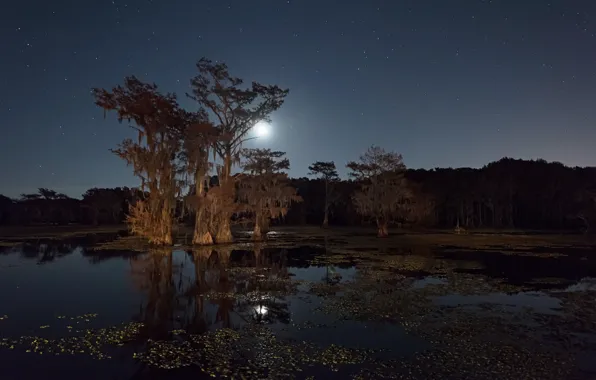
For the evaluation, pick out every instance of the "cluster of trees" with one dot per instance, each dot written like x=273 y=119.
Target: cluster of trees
x=176 y=149
x=97 y=206
x=508 y=193
x=184 y=161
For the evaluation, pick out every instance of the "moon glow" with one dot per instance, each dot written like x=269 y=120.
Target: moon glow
x=262 y=129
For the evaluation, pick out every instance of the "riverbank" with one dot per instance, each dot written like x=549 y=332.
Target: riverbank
x=360 y=237
x=11 y=235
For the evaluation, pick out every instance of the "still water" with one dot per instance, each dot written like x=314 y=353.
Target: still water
x=54 y=295
x=50 y=291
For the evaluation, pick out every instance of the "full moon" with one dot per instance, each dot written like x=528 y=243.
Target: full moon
x=262 y=129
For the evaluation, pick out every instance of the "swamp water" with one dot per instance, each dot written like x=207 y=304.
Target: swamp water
x=67 y=311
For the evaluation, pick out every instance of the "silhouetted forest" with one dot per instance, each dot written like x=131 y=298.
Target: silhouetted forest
x=509 y=193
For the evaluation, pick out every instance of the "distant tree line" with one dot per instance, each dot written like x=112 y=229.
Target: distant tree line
x=185 y=159
x=509 y=193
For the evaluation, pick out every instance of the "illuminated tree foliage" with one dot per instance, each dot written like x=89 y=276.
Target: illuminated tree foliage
x=234 y=111
x=264 y=187
x=200 y=139
x=158 y=121
x=383 y=195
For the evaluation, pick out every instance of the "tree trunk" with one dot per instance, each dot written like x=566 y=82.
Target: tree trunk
x=261 y=227
x=326 y=219
x=228 y=163
x=382 y=229
x=224 y=229
x=166 y=221
x=265 y=224
x=257 y=235
x=201 y=235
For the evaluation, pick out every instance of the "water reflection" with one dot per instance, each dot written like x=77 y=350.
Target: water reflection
x=153 y=274
x=42 y=252
x=51 y=250
x=208 y=288
x=174 y=292
x=534 y=301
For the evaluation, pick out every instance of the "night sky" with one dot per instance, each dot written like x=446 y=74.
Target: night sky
x=446 y=83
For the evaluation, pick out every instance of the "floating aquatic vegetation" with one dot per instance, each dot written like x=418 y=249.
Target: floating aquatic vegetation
x=252 y=352
x=490 y=342
x=484 y=341
x=324 y=289
x=89 y=341
x=332 y=259
x=124 y=243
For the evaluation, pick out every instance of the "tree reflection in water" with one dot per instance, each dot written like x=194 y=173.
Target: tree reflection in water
x=265 y=288
x=44 y=252
x=225 y=289
x=153 y=274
